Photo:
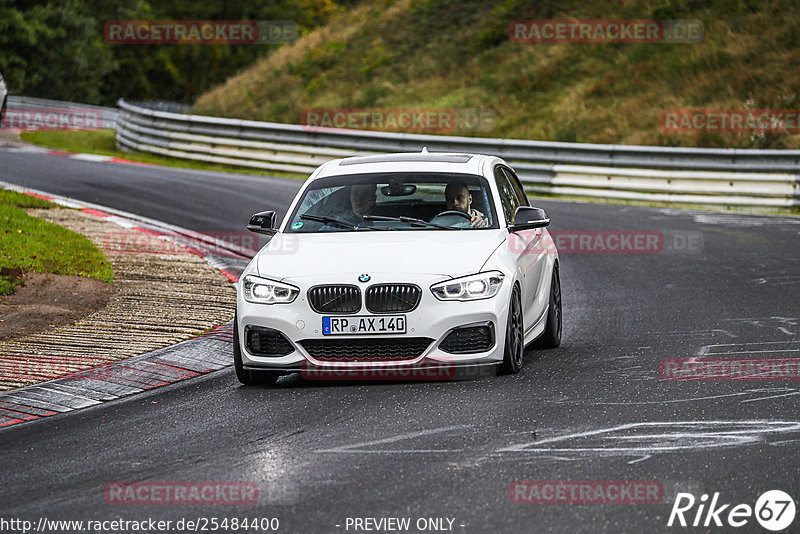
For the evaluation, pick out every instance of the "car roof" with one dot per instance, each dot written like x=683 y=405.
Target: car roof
x=452 y=162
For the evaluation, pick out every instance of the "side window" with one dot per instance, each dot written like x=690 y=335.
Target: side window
x=518 y=189
x=508 y=197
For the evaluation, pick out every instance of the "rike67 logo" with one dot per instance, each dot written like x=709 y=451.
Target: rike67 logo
x=774 y=510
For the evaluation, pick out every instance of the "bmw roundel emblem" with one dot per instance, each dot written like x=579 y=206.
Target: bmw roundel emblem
x=364 y=278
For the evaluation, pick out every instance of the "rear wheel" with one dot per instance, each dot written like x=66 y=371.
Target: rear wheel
x=245 y=376
x=551 y=337
x=514 y=341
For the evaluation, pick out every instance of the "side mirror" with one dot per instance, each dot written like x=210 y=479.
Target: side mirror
x=528 y=218
x=263 y=223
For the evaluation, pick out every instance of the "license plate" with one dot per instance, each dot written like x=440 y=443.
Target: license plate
x=364 y=324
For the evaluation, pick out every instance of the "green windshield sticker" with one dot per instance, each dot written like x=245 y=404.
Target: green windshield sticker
x=298 y=224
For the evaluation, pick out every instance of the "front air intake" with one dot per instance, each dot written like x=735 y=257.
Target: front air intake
x=262 y=341
x=366 y=349
x=469 y=339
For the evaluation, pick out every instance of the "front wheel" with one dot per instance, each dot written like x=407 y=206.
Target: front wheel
x=551 y=337
x=245 y=376
x=514 y=342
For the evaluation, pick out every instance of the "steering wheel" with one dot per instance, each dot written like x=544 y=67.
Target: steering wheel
x=455 y=212
x=446 y=217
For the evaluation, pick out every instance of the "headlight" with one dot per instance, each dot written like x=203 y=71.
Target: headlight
x=474 y=287
x=264 y=291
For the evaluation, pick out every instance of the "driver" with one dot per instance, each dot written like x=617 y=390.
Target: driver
x=458 y=198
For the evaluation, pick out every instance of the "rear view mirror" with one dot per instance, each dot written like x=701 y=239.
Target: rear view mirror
x=398 y=190
x=263 y=223
x=528 y=218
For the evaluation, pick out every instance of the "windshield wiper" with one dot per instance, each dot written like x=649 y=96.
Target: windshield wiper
x=410 y=220
x=334 y=220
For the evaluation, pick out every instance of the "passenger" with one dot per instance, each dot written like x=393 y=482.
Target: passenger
x=362 y=199
x=458 y=198
x=362 y=202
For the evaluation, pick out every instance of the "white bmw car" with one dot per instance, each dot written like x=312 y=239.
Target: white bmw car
x=402 y=261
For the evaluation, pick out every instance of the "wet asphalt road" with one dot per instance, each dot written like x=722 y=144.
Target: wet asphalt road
x=594 y=409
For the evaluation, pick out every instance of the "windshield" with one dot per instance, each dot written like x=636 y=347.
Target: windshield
x=395 y=201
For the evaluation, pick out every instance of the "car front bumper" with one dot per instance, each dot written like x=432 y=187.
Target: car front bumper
x=432 y=319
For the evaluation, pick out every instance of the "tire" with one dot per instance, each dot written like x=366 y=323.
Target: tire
x=551 y=337
x=514 y=338
x=245 y=376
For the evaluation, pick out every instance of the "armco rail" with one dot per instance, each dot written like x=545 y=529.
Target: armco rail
x=728 y=177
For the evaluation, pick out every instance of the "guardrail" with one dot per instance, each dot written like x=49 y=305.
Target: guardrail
x=30 y=105
x=727 y=177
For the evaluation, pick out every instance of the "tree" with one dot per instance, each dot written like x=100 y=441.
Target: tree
x=52 y=49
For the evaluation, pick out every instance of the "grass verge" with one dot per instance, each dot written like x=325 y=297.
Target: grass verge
x=32 y=244
x=103 y=142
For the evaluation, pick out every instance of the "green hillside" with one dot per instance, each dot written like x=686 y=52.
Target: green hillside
x=457 y=54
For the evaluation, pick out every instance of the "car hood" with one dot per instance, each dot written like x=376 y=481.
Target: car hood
x=441 y=252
